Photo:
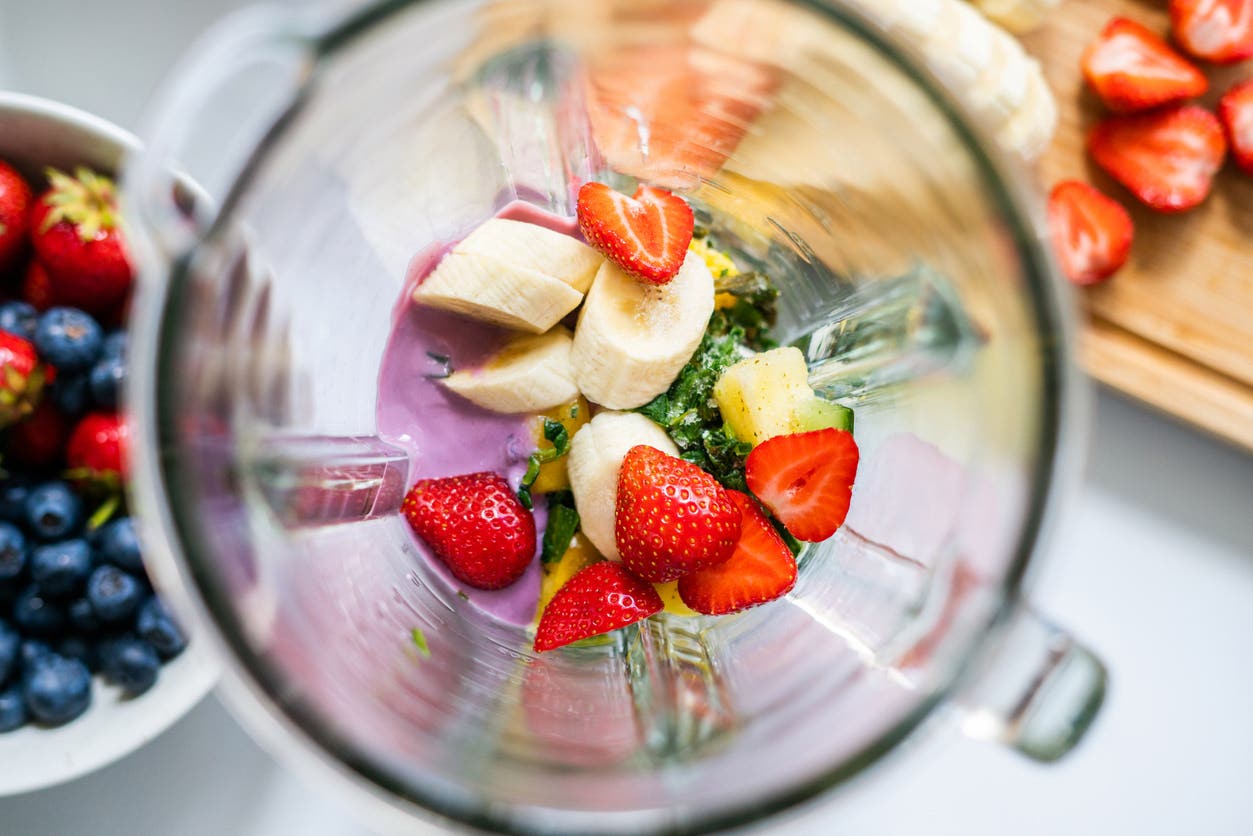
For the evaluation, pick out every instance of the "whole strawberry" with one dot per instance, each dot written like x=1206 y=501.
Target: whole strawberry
x=15 y=198
x=76 y=234
x=22 y=378
x=671 y=517
x=97 y=451
x=475 y=525
x=37 y=287
x=600 y=598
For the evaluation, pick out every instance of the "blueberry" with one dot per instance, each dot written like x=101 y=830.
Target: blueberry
x=10 y=647
x=12 y=709
x=57 y=690
x=12 y=551
x=31 y=651
x=114 y=594
x=132 y=664
x=119 y=545
x=156 y=626
x=82 y=617
x=35 y=615
x=115 y=345
x=53 y=511
x=71 y=393
x=68 y=339
x=61 y=568
x=13 y=494
x=19 y=318
x=107 y=377
x=75 y=647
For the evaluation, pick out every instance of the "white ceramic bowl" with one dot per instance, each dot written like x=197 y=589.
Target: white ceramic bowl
x=35 y=133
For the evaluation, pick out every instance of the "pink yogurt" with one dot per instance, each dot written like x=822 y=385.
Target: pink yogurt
x=446 y=435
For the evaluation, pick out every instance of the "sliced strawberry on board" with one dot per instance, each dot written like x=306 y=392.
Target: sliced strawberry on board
x=76 y=232
x=760 y=569
x=646 y=235
x=671 y=517
x=1091 y=233
x=1167 y=158
x=1131 y=68
x=15 y=200
x=1216 y=30
x=1236 y=113
x=475 y=525
x=599 y=599
x=806 y=480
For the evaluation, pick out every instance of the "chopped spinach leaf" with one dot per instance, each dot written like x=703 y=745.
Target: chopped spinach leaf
x=555 y=432
x=563 y=522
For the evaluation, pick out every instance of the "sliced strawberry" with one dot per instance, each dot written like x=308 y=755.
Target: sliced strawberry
x=37 y=287
x=806 y=480
x=1236 y=113
x=78 y=239
x=98 y=450
x=1091 y=233
x=760 y=569
x=1167 y=158
x=599 y=599
x=15 y=199
x=475 y=525
x=1216 y=30
x=39 y=441
x=1131 y=68
x=646 y=235
x=671 y=517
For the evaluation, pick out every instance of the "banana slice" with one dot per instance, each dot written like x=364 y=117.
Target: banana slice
x=633 y=338
x=537 y=248
x=960 y=47
x=514 y=274
x=1017 y=16
x=1031 y=129
x=530 y=374
x=595 y=457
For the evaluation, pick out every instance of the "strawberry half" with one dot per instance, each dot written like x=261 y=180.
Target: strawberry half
x=98 y=450
x=22 y=378
x=1216 y=30
x=599 y=599
x=646 y=235
x=1167 y=158
x=15 y=198
x=1131 y=68
x=1236 y=113
x=806 y=480
x=77 y=238
x=671 y=517
x=1091 y=233
x=760 y=569
x=475 y=525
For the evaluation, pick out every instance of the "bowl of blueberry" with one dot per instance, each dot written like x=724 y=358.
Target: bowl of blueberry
x=92 y=662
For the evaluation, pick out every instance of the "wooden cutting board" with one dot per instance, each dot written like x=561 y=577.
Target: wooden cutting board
x=1175 y=327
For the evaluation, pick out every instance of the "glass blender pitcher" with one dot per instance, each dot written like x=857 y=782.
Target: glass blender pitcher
x=327 y=149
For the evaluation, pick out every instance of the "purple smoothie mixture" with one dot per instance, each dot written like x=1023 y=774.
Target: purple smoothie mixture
x=445 y=435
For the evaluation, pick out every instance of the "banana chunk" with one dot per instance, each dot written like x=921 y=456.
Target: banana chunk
x=1017 y=16
x=537 y=248
x=595 y=457
x=486 y=288
x=530 y=374
x=632 y=339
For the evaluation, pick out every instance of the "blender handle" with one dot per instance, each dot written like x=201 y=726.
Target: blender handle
x=196 y=134
x=1036 y=688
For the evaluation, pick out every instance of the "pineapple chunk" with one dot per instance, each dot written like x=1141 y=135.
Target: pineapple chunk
x=553 y=475
x=579 y=556
x=758 y=396
x=674 y=605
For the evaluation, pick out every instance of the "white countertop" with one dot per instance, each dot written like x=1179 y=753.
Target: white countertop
x=1152 y=566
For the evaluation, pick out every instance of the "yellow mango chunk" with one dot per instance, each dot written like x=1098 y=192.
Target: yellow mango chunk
x=719 y=263
x=669 y=593
x=553 y=475
x=555 y=575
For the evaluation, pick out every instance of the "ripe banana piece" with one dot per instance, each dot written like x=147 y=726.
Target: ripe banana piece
x=530 y=374
x=633 y=338
x=1017 y=16
x=514 y=274
x=595 y=457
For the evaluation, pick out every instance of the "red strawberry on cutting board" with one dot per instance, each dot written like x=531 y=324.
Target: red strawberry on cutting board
x=76 y=233
x=1131 y=68
x=475 y=525
x=1091 y=233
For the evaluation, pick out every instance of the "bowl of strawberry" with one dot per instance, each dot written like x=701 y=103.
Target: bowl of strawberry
x=92 y=662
